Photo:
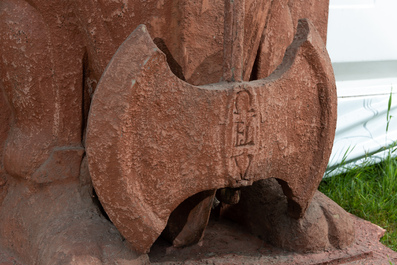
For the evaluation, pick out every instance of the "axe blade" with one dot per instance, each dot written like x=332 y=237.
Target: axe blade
x=154 y=140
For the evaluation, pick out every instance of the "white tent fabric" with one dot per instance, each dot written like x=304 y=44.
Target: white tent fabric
x=362 y=43
x=362 y=123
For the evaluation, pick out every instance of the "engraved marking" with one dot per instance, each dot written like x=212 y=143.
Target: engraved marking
x=244 y=134
x=262 y=118
x=243 y=116
x=243 y=162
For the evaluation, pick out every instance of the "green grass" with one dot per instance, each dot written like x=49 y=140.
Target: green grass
x=369 y=192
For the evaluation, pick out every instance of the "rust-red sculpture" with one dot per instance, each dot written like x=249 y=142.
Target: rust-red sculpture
x=52 y=55
x=151 y=134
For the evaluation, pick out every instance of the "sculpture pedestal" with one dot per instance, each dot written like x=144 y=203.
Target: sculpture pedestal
x=225 y=242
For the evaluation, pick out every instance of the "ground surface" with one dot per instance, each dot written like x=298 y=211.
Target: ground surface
x=227 y=243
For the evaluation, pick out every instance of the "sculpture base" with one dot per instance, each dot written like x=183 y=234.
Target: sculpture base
x=225 y=242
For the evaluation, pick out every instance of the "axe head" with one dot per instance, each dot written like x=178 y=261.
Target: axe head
x=154 y=140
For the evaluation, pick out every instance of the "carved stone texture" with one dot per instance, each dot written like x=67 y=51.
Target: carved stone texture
x=263 y=210
x=45 y=218
x=52 y=55
x=283 y=17
x=154 y=140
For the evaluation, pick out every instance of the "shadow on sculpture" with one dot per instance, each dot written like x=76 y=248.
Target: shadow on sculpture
x=156 y=148
x=263 y=209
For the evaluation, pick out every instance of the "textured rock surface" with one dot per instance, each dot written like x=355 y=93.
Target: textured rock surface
x=52 y=55
x=229 y=243
x=158 y=140
x=63 y=227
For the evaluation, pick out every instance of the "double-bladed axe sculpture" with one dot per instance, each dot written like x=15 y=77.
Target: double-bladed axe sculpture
x=154 y=140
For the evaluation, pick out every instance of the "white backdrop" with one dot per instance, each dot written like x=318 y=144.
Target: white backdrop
x=362 y=43
x=362 y=30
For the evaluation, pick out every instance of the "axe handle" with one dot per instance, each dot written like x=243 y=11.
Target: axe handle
x=233 y=47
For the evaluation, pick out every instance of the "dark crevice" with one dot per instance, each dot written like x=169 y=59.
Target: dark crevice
x=98 y=204
x=294 y=209
x=172 y=63
x=85 y=99
x=179 y=218
x=255 y=67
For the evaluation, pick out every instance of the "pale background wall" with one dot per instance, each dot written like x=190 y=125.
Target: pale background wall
x=362 y=30
x=362 y=43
